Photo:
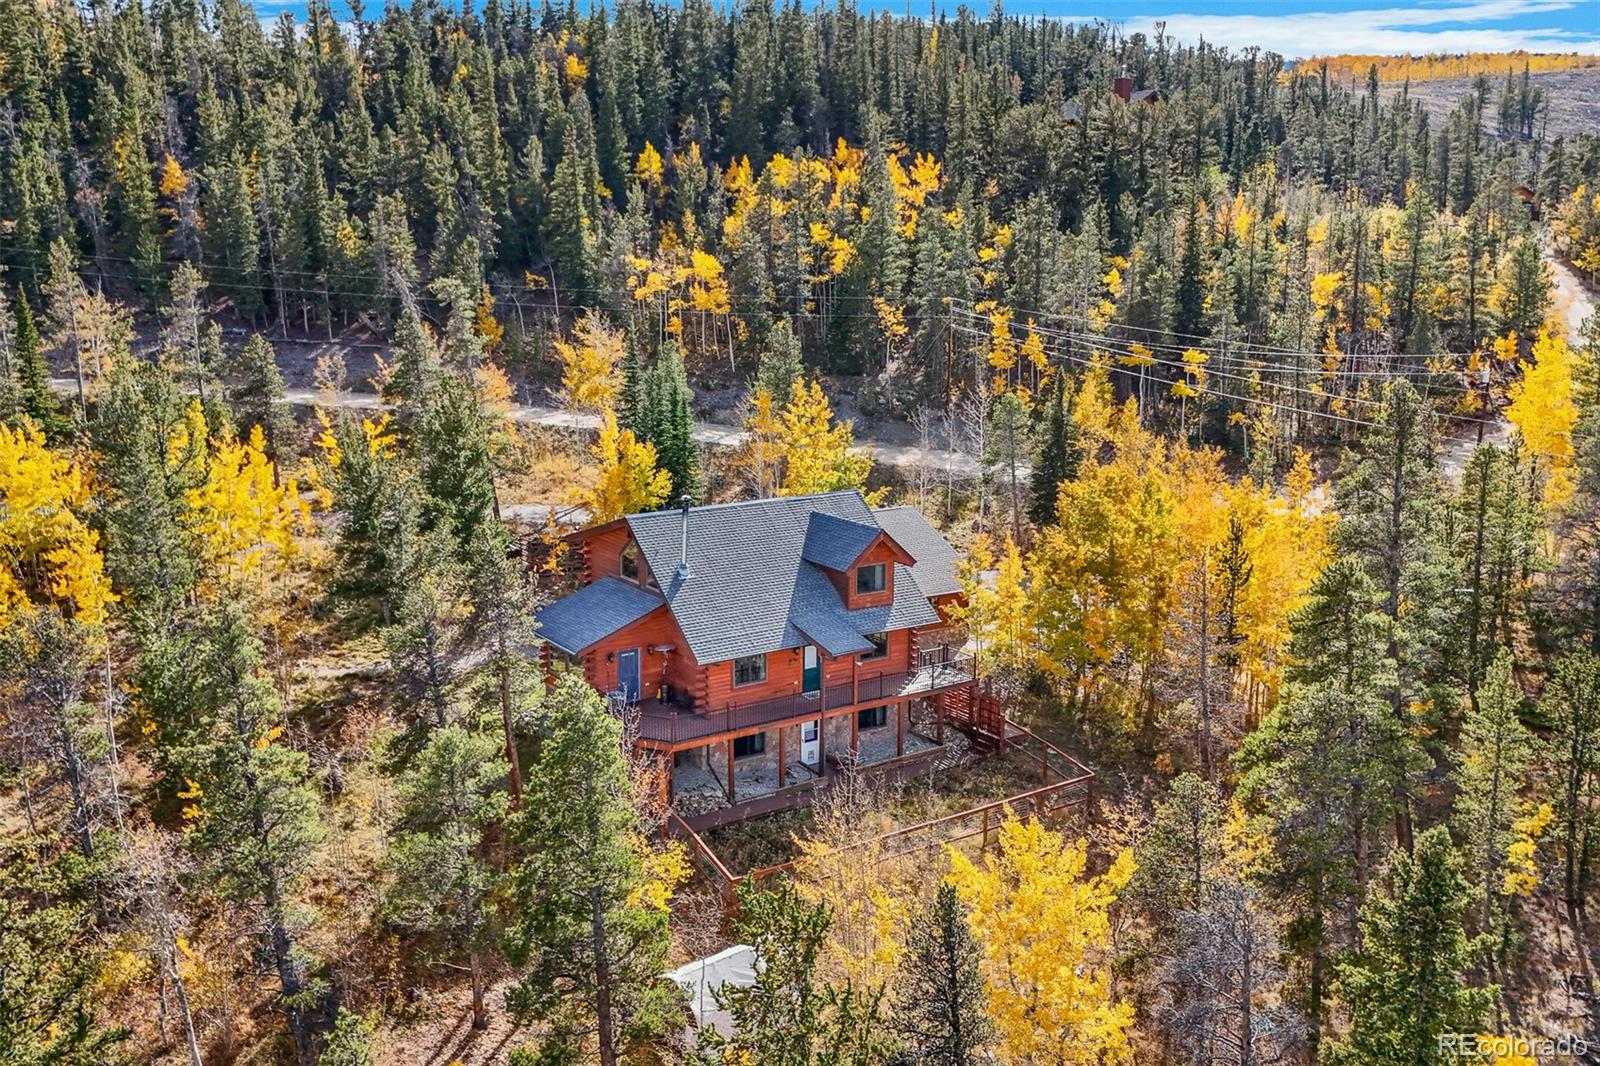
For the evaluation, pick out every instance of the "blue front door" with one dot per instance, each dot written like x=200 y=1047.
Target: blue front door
x=811 y=671
x=628 y=673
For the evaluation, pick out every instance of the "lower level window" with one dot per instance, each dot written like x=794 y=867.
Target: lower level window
x=872 y=717
x=754 y=744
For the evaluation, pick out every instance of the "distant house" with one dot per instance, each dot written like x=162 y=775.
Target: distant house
x=1530 y=200
x=761 y=646
x=1072 y=111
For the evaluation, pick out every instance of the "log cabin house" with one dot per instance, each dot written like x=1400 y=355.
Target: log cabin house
x=763 y=646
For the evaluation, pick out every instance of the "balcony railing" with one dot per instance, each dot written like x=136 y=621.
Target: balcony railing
x=938 y=669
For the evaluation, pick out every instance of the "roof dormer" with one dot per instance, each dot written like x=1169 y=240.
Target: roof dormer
x=859 y=559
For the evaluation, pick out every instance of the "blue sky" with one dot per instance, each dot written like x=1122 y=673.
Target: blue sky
x=1296 y=28
x=1292 y=28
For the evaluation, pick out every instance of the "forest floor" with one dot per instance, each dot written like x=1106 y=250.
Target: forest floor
x=1574 y=99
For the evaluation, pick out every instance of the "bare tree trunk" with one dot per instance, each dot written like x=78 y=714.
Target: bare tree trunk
x=604 y=1023
x=480 y=1017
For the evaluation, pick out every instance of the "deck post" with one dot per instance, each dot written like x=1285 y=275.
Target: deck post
x=728 y=746
x=855 y=680
x=855 y=726
x=781 y=731
x=899 y=729
x=822 y=746
x=938 y=704
x=1046 y=757
x=985 y=846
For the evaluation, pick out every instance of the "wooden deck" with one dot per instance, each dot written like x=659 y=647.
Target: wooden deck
x=672 y=727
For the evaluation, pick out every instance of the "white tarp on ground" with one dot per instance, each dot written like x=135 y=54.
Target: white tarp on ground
x=735 y=966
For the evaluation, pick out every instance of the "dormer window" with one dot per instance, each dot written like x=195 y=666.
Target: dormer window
x=870 y=579
x=630 y=562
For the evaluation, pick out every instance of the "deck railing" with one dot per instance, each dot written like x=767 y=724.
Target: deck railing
x=937 y=669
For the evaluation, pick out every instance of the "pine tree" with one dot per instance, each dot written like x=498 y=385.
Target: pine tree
x=457 y=463
x=36 y=398
x=1496 y=752
x=1498 y=530
x=1521 y=290
x=509 y=684
x=940 y=996
x=49 y=1001
x=1060 y=453
x=1007 y=452
x=1189 y=313
x=1182 y=850
x=1338 y=636
x=349 y=1043
x=429 y=631
x=669 y=422
x=780 y=364
x=789 y=1017
x=571 y=238
x=450 y=797
x=49 y=660
x=255 y=820
x=1388 y=497
x=631 y=409
x=1319 y=778
x=1404 y=988
x=588 y=921
x=1571 y=702
x=257 y=397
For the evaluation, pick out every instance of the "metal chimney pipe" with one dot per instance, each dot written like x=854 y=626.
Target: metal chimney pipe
x=683 y=543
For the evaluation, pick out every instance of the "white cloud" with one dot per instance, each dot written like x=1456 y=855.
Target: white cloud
x=1388 y=30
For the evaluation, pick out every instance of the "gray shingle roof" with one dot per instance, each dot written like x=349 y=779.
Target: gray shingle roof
x=836 y=542
x=936 y=561
x=594 y=612
x=751 y=587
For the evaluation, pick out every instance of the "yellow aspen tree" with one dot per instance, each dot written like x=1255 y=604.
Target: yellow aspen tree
x=868 y=886
x=818 y=455
x=1191 y=386
x=649 y=169
x=1045 y=927
x=50 y=556
x=1288 y=543
x=485 y=325
x=591 y=366
x=998 y=613
x=762 y=456
x=1543 y=411
x=245 y=516
x=628 y=480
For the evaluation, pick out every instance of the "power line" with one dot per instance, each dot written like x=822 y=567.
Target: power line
x=1187 y=368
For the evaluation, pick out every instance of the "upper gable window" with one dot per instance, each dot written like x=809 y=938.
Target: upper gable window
x=873 y=578
x=750 y=670
x=630 y=561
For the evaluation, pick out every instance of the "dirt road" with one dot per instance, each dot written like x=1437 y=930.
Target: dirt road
x=1571 y=298
x=707 y=434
